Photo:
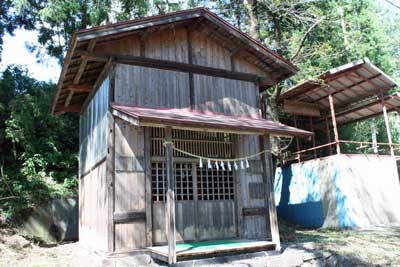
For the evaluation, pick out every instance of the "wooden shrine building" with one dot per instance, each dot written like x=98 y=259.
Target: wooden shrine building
x=173 y=147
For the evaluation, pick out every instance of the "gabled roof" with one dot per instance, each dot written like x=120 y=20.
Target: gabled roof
x=203 y=121
x=264 y=58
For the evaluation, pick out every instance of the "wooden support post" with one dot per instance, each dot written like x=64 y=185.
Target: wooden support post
x=374 y=136
x=148 y=199
x=333 y=115
x=110 y=182
x=328 y=131
x=385 y=116
x=297 y=139
x=268 y=179
x=313 y=137
x=171 y=235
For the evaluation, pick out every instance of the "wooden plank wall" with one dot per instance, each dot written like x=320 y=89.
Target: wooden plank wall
x=162 y=88
x=93 y=209
x=130 y=209
x=93 y=130
x=93 y=203
x=225 y=96
x=255 y=225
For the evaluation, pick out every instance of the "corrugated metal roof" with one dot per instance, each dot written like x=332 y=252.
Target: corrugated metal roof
x=186 y=118
x=348 y=84
x=367 y=109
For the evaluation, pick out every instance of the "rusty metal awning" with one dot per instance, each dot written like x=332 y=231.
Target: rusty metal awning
x=348 y=84
x=204 y=121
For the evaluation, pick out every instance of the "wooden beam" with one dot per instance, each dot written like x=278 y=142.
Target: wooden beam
x=333 y=116
x=268 y=179
x=328 y=131
x=125 y=217
x=171 y=228
x=76 y=88
x=97 y=84
x=171 y=65
x=385 y=116
x=79 y=73
x=301 y=108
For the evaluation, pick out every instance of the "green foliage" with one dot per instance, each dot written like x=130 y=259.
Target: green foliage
x=38 y=150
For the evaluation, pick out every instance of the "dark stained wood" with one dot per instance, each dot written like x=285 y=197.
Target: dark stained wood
x=170 y=65
x=97 y=84
x=79 y=88
x=254 y=211
x=80 y=71
x=126 y=217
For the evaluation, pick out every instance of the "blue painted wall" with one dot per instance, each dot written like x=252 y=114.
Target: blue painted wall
x=341 y=191
x=298 y=195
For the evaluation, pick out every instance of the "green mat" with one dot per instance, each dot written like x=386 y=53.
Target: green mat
x=212 y=244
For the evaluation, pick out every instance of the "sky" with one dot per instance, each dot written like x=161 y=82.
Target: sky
x=16 y=52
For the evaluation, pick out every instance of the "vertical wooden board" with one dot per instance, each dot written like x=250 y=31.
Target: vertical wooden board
x=129 y=192
x=254 y=227
x=216 y=220
x=168 y=44
x=129 y=45
x=225 y=96
x=93 y=209
x=207 y=52
x=242 y=65
x=150 y=87
x=159 y=223
x=185 y=222
x=123 y=232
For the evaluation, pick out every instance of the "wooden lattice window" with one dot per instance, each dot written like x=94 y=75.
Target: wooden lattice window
x=213 y=184
x=206 y=144
x=183 y=181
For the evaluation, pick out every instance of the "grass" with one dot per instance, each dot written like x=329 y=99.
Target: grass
x=379 y=246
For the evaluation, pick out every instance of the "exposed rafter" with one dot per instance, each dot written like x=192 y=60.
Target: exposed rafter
x=79 y=74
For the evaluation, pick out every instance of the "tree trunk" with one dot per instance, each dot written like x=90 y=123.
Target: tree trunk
x=254 y=31
x=344 y=28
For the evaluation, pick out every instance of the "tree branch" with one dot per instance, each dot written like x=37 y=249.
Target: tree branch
x=303 y=39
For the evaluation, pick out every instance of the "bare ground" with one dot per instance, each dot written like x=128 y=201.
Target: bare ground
x=375 y=247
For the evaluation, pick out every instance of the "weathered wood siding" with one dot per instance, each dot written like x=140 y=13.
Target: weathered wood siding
x=151 y=87
x=93 y=130
x=130 y=233
x=225 y=96
x=93 y=209
x=252 y=195
x=93 y=203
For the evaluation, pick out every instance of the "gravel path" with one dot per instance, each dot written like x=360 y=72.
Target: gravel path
x=376 y=247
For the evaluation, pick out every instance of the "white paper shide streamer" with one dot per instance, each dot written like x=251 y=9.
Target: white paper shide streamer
x=221 y=163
